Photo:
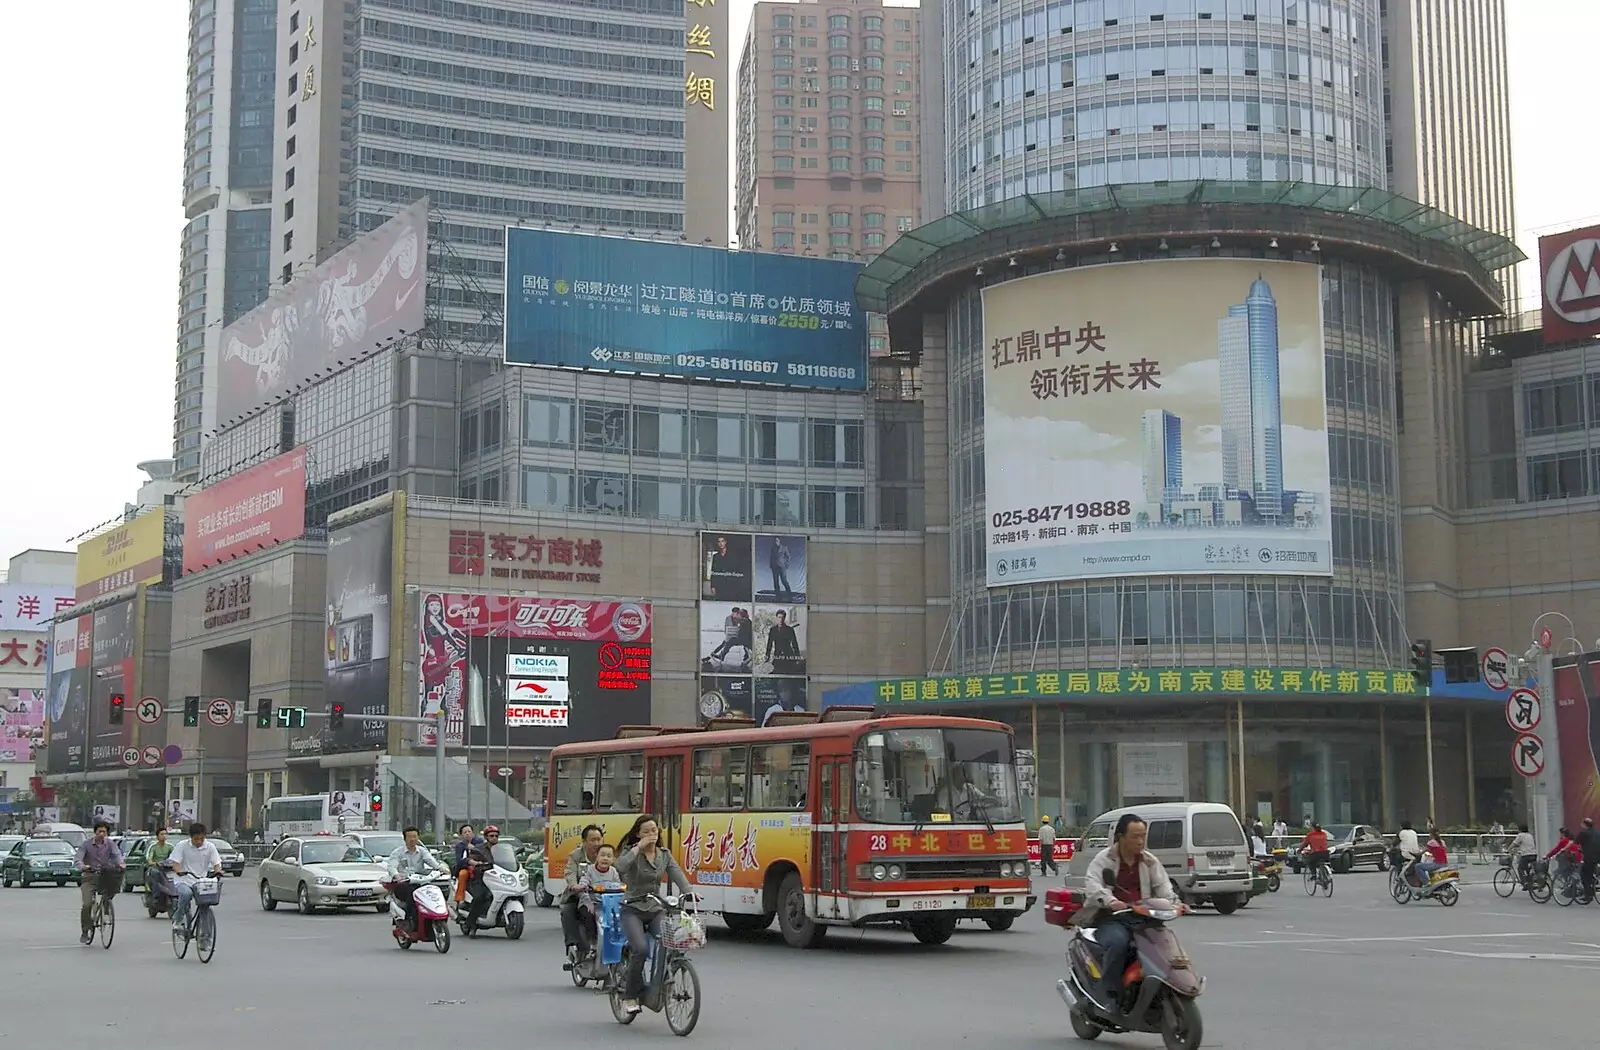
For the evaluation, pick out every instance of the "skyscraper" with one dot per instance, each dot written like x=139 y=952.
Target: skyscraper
x=227 y=199
x=1252 y=405
x=1161 y=440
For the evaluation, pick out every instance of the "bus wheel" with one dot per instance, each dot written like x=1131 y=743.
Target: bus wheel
x=933 y=929
x=798 y=930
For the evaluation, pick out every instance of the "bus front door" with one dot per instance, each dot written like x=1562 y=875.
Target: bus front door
x=829 y=858
x=664 y=786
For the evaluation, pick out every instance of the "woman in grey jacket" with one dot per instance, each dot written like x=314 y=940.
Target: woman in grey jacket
x=644 y=866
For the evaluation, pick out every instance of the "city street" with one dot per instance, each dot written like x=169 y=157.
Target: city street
x=1288 y=970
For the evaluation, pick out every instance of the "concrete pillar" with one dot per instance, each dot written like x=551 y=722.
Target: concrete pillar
x=1216 y=758
x=1099 y=779
x=1323 y=799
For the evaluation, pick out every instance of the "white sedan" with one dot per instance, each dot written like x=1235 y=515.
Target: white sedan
x=318 y=872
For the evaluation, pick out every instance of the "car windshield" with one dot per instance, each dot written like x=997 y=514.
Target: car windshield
x=333 y=853
x=73 y=838
x=1338 y=832
x=906 y=776
x=382 y=845
x=48 y=848
x=222 y=847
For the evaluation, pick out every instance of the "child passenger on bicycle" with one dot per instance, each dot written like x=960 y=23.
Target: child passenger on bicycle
x=598 y=877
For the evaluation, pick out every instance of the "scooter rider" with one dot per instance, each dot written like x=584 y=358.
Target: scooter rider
x=156 y=879
x=1409 y=847
x=480 y=859
x=1124 y=874
x=582 y=856
x=411 y=859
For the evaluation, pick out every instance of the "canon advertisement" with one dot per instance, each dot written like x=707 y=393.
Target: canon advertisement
x=360 y=575
x=111 y=661
x=541 y=671
x=68 y=706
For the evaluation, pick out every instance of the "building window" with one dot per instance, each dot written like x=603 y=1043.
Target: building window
x=839 y=240
x=546 y=421
x=838 y=21
x=903 y=145
x=774 y=505
x=873 y=43
x=293 y=115
x=718 y=501
x=808 y=41
x=784 y=142
x=872 y=22
x=873 y=83
x=288 y=179
x=872 y=220
x=839 y=142
x=774 y=440
x=838 y=218
x=782 y=163
x=839 y=83
x=839 y=42
x=288 y=241
x=783 y=21
x=716 y=437
x=783 y=41
x=489 y=487
x=288 y=147
x=839 y=123
x=808 y=162
x=783 y=101
x=1559 y=476
x=492 y=428
x=902 y=25
x=833 y=508
x=605 y=427
x=874 y=143
x=874 y=240
x=838 y=61
x=838 y=101
x=902 y=45
x=547 y=489
x=1554 y=406
x=600 y=493
x=659 y=498
x=872 y=163
x=872 y=62
x=872 y=124
x=903 y=166
x=783 y=218
x=288 y=210
x=660 y=432
x=783 y=239
x=872 y=102
x=469 y=435
x=294 y=84
x=836 y=443
x=783 y=80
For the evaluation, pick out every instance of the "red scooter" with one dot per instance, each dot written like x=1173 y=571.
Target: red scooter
x=430 y=918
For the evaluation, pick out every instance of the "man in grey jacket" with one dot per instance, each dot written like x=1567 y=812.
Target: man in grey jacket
x=1124 y=874
x=582 y=856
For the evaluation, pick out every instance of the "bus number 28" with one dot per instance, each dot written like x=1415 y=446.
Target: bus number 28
x=878 y=843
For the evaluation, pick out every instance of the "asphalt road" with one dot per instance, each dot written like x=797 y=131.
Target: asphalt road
x=1286 y=971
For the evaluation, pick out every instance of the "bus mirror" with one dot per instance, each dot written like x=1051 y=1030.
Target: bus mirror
x=875 y=740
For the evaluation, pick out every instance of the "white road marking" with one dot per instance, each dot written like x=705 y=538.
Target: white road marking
x=1319 y=951
x=49 y=947
x=1369 y=940
x=1537 y=956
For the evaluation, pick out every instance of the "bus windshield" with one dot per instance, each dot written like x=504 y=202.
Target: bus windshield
x=908 y=776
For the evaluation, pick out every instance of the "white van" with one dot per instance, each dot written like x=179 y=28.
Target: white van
x=72 y=834
x=1200 y=844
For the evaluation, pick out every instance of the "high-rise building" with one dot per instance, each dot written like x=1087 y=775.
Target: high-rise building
x=829 y=114
x=1252 y=405
x=1161 y=434
x=227 y=199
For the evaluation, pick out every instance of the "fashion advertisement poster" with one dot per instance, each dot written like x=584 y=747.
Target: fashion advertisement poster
x=725 y=696
x=360 y=574
x=780 y=569
x=725 y=567
x=778 y=694
x=111 y=657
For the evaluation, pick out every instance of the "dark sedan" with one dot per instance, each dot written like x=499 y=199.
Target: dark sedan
x=1350 y=846
x=232 y=859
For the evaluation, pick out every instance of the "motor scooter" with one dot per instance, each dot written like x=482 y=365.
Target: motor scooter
x=1442 y=886
x=608 y=929
x=1159 y=984
x=159 y=894
x=508 y=895
x=430 y=919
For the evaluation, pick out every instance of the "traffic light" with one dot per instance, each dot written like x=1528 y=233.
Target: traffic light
x=335 y=715
x=376 y=802
x=1422 y=661
x=264 y=713
x=115 y=715
x=191 y=710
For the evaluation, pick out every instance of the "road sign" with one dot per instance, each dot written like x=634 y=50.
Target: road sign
x=1527 y=754
x=504 y=771
x=149 y=710
x=1523 y=710
x=152 y=755
x=130 y=756
x=220 y=712
x=1545 y=638
x=172 y=754
x=1497 y=670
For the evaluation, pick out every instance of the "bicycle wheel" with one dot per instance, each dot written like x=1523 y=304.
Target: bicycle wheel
x=1310 y=877
x=205 y=928
x=180 y=941
x=618 y=977
x=1326 y=878
x=1540 y=890
x=107 y=921
x=682 y=994
x=1400 y=891
x=1505 y=883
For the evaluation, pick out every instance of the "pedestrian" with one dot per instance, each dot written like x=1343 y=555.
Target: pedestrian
x=1047 y=847
x=1589 y=843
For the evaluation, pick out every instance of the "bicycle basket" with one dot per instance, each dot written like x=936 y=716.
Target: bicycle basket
x=1504 y=859
x=683 y=932
x=208 y=892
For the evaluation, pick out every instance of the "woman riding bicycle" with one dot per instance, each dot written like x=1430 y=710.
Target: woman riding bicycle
x=1315 y=846
x=644 y=864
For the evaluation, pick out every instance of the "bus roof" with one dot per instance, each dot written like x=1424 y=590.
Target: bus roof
x=658 y=738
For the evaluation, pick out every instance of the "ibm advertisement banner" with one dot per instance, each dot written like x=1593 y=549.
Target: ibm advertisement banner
x=1156 y=418
x=257 y=508
x=617 y=305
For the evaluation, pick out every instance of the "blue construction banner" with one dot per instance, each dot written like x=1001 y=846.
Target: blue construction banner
x=616 y=304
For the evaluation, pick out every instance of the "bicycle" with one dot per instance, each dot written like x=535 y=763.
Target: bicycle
x=1567 y=884
x=672 y=986
x=1318 y=876
x=201 y=925
x=102 y=916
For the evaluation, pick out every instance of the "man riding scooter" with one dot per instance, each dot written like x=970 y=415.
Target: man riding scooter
x=158 y=889
x=1123 y=875
x=478 y=860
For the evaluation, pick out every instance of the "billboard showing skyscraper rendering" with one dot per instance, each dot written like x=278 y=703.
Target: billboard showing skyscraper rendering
x=1156 y=418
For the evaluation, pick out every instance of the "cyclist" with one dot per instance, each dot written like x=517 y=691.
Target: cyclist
x=101 y=862
x=1589 y=847
x=192 y=859
x=1315 y=847
x=643 y=867
x=1525 y=851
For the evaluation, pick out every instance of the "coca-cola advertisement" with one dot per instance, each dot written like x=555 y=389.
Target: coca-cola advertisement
x=572 y=669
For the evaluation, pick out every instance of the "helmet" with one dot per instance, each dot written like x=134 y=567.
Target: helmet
x=492 y=829
x=1044 y=820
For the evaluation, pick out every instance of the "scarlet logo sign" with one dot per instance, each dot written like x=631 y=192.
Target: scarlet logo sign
x=1570 y=264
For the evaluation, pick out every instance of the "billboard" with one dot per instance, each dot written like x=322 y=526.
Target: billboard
x=32 y=606
x=122 y=557
x=1156 y=418
x=546 y=670
x=1577 y=720
x=111 y=661
x=366 y=294
x=69 y=696
x=751 y=647
x=256 y=508
x=22 y=716
x=1569 y=280
x=616 y=305
x=360 y=576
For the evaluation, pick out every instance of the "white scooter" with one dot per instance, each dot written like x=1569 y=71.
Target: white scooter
x=508 y=896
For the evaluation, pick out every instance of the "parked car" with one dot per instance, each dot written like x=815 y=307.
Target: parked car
x=1350 y=846
x=320 y=872
x=39 y=860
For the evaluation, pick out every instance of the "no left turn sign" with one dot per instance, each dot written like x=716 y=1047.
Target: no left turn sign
x=1523 y=710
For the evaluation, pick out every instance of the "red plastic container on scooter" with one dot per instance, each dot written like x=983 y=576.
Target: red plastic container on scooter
x=1061 y=904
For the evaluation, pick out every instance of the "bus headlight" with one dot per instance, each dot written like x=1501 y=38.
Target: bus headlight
x=896 y=872
x=880 y=872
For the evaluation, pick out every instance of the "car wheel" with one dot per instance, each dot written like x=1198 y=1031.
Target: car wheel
x=60 y=883
x=26 y=882
x=380 y=908
x=542 y=897
x=6 y=882
x=1228 y=903
x=268 y=901
x=304 y=899
x=1383 y=862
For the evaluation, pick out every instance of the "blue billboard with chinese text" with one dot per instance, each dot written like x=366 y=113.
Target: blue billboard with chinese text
x=613 y=304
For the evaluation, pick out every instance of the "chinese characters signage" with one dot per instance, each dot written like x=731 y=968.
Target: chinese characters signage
x=509 y=556
x=227 y=602
x=1195 y=682
x=257 y=508
x=127 y=555
x=619 y=305
x=707 y=104
x=31 y=606
x=23 y=652
x=1156 y=418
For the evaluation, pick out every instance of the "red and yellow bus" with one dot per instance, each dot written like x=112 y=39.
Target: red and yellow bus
x=838 y=819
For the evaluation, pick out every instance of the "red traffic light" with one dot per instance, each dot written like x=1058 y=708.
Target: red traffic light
x=338 y=709
x=115 y=714
x=116 y=699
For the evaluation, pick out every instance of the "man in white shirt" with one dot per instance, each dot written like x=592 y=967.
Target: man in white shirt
x=411 y=859
x=192 y=860
x=1523 y=848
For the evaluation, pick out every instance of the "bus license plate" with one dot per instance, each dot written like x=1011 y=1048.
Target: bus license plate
x=984 y=901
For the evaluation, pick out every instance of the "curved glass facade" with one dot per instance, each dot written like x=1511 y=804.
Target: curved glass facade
x=1050 y=96
x=1195 y=621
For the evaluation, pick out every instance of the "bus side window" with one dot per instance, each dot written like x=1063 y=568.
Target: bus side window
x=779 y=774
x=719 y=778
x=575 y=780
x=621 y=783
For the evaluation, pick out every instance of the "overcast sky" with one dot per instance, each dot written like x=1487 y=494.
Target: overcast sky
x=89 y=284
